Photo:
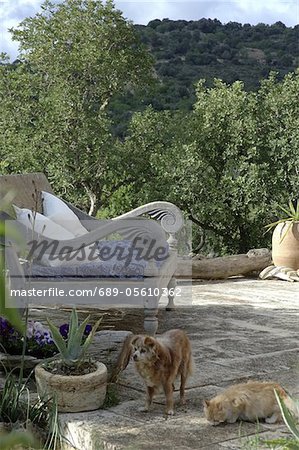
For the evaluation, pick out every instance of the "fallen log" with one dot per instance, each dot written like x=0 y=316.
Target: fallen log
x=225 y=266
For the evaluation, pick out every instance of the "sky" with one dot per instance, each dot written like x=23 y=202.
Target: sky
x=12 y=12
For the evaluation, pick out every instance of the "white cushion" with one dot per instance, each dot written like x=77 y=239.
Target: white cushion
x=46 y=227
x=56 y=210
x=42 y=225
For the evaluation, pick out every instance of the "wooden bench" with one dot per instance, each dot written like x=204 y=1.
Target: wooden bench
x=27 y=188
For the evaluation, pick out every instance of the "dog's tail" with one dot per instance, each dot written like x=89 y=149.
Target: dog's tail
x=123 y=358
x=191 y=365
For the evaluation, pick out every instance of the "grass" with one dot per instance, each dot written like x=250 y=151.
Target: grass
x=20 y=411
x=257 y=443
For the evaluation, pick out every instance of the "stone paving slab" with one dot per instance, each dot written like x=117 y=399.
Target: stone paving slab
x=121 y=430
x=240 y=329
x=255 y=441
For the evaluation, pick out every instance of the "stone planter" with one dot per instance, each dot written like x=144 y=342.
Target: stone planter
x=285 y=245
x=74 y=393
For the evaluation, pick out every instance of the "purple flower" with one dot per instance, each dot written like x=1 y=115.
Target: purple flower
x=87 y=330
x=5 y=326
x=3 y=323
x=64 y=330
x=39 y=340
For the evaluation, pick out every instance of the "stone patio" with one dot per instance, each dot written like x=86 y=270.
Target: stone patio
x=240 y=329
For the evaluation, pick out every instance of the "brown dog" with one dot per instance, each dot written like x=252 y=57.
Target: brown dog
x=159 y=361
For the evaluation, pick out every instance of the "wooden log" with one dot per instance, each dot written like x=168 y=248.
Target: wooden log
x=226 y=266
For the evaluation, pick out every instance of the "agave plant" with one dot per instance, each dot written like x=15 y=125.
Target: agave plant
x=288 y=417
x=292 y=215
x=73 y=350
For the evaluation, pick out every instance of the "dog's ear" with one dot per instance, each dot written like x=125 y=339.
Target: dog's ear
x=124 y=357
x=206 y=403
x=149 y=341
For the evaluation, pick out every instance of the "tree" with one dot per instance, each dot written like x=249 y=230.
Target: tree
x=278 y=136
x=226 y=164
x=80 y=52
x=231 y=63
x=147 y=158
x=241 y=160
x=21 y=143
x=219 y=165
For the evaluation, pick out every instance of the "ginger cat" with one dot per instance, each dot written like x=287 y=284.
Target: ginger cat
x=249 y=402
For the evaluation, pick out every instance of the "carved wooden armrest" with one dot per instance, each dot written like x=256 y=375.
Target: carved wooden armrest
x=129 y=229
x=167 y=213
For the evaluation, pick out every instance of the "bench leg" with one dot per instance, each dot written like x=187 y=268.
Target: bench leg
x=171 y=286
x=150 y=321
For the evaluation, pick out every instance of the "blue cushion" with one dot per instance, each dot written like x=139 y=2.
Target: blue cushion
x=115 y=261
x=96 y=269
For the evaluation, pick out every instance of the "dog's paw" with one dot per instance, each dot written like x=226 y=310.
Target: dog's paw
x=143 y=409
x=170 y=412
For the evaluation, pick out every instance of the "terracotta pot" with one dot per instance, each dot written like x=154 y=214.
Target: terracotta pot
x=285 y=245
x=74 y=393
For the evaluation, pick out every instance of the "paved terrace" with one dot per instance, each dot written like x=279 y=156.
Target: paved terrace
x=240 y=329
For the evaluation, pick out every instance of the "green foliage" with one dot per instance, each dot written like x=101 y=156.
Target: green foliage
x=257 y=443
x=227 y=163
x=73 y=351
x=9 y=313
x=18 y=410
x=292 y=215
x=224 y=154
x=6 y=311
x=285 y=443
x=288 y=417
x=281 y=443
x=10 y=393
x=187 y=51
x=75 y=55
x=112 y=397
x=15 y=439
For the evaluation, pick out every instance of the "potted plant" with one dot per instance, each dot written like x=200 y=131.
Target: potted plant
x=285 y=238
x=77 y=382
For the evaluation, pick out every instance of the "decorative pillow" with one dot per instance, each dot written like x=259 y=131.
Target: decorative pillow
x=58 y=211
x=42 y=225
x=48 y=228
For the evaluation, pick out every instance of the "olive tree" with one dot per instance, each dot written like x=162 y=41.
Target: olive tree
x=74 y=57
x=226 y=164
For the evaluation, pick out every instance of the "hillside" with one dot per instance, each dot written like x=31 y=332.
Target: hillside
x=185 y=51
